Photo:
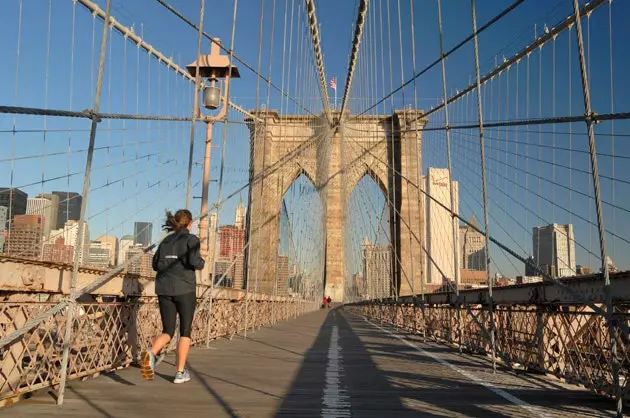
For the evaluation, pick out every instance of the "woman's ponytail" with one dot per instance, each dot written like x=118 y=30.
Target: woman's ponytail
x=180 y=220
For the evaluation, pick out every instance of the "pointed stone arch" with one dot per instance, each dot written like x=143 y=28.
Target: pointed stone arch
x=292 y=177
x=371 y=173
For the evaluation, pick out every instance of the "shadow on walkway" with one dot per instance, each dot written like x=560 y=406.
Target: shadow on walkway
x=433 y=389
x=366 y=389
x=425 y=389
x=369 y=373
x=304 y=398
x=227 y=408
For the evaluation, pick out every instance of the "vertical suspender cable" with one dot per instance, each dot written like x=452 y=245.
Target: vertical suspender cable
x=598 y=206
x=86 y=190
x=195 y=111
x=483 y=180
x=454 y=221
x=419 y=173
x=15 y=99
x=612 y=122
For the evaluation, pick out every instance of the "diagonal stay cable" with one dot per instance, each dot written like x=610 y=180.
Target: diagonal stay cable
x=363 y=6
x=488 y=24
x=553 y=32
x=234 y=56
x=317 y=50
x=128 y=33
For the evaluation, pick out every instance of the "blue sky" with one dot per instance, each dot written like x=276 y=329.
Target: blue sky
x=140 y=168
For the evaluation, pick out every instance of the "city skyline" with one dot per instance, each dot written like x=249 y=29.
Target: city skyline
x=36 y=205
x=68 y=208
x=470 y=245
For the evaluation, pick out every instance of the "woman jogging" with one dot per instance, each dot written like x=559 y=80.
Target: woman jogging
x=175 y=262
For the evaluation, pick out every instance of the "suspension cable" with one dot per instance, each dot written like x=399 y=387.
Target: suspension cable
x=319 y=57
x=356 y=42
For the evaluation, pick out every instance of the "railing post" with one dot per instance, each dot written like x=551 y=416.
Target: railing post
x=209 y=308
x=246 y=315
x=614 y=361
x=424 y=318
x=540 y=338
x=86 y=190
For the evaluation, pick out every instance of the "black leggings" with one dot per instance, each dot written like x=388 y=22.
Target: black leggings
x=170 y=306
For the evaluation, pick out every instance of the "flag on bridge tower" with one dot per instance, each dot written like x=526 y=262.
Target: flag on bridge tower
x=333 y=85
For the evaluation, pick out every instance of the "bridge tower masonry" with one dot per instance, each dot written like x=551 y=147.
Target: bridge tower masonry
x=285 y=146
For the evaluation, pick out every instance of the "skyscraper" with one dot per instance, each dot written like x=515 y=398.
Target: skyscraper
x=25 y=237
x=14 y=200
x=141 y=266
x=99 y=255
x=111 y=243
x=554 y=249
x=472 y=247
x=221 y=268
x=69 y=207
x=377 y=270
x=359 y=284
x=529 y=269
x=46 y=208
x=232 y=241
x=70 y=234
x=126 y=242
x=142 y=232
x=239 y=216
x=54 y=214
x=238 y=272
x=439 y=226
x=58 y=252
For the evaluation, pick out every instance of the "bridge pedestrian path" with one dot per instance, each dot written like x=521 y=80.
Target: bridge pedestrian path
x=329 y=363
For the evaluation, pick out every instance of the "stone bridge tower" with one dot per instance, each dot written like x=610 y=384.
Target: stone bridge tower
x=285 y=146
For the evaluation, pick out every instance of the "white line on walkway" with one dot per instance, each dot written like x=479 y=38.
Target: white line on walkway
x=505 y=395
x=335 y=399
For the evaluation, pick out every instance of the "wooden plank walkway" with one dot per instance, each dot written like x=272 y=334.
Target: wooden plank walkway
x=330 y=364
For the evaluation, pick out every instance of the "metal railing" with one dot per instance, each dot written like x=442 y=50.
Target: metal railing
x=570 y=342
x=110 y=335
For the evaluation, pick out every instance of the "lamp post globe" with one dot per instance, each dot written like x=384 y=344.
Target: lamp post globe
x=211 y=97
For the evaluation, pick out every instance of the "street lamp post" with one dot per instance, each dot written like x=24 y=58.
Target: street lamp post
x=213 y=66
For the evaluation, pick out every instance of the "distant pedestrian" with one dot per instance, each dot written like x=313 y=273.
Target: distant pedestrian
x=175 y=262
x=328 y=301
